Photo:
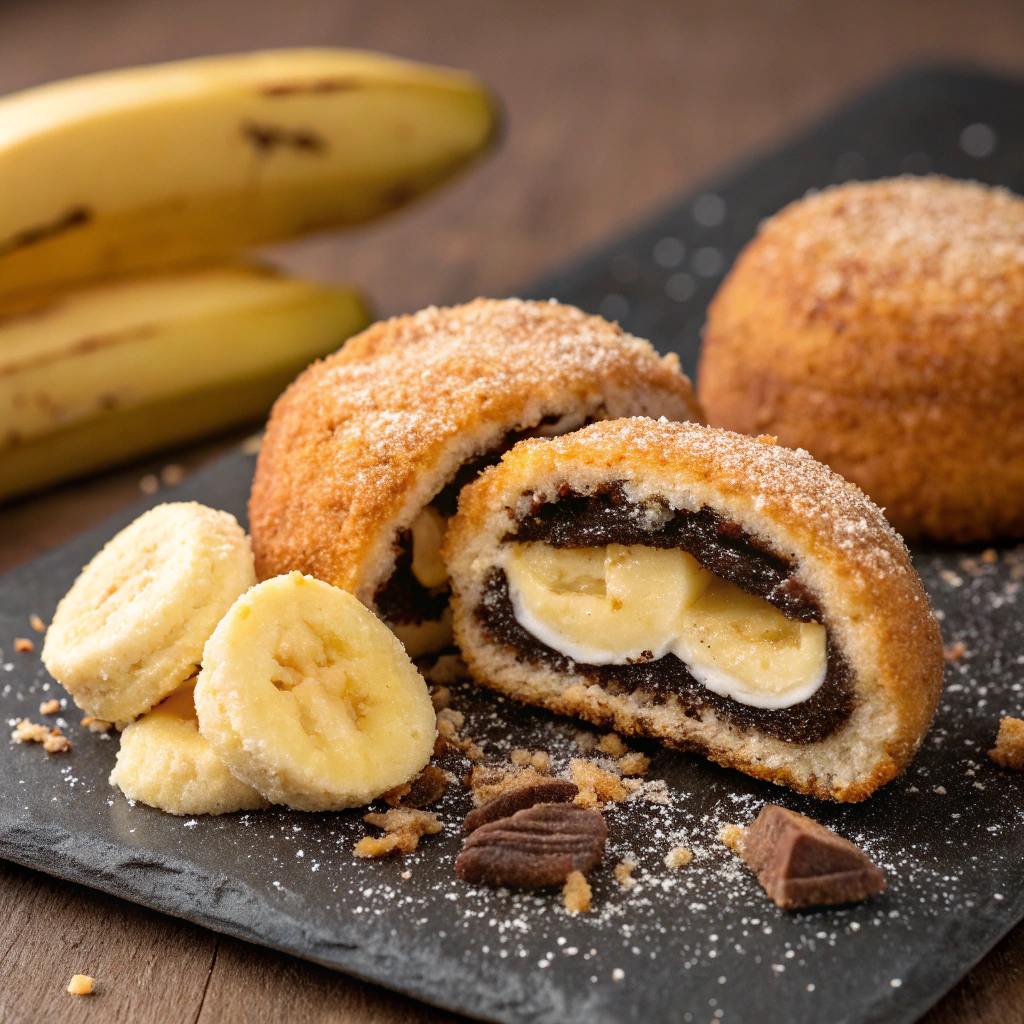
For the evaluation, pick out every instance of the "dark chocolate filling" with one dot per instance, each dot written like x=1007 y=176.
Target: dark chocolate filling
x=402 y=598
x=723 y=548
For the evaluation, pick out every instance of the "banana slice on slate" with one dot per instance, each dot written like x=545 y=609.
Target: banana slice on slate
x=603 y=606
x=311 y=699
x=164 y=762
x=132 y=627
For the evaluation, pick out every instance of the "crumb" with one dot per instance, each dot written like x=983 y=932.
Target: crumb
x=22 y=643
x=96 y=724
x=149 y=484
x=1009 y=749
x=989 y=556
x=251 y=445
x=586 y=741
x=403 y=829
x=56 y=742
x=172 y=474
x=634 y=764
x=537 y=759
x=624 y=874
x=680 y=856
x=576 y=893
x=596 y=785
x=732 y=836
x=80 y=985
x=486 y=781
x=440 y=697
x=405 y=875
x=769 y=439
x=612 y=745
x=53 y=740
x=49 y=707
x=954 y=652
x=632 y=786
x=449 y=722
x=37 y=623
x=447 y=669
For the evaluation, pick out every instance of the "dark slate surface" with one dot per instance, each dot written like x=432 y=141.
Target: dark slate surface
x=702 y=944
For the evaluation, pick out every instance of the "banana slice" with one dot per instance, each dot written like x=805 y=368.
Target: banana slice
x=603 y=606
x=742 y=647
x=427 y=536
x=165 y=763
x=308 y=697
x=132 y=627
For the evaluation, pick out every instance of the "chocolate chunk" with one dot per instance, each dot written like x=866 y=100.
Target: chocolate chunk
x=535 y=848
x=427 y=787
x=504 y=805
x=800 y=863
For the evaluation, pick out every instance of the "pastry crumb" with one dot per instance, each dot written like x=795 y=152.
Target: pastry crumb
x=597 y=787
x=540 y=760
x=577 y=893
x=732 y=836
x=990 y=556
x=488 y=781
x=447 y=669
x=149 y=484
x=954 y=652
x=449 y=724
x=97 y=724
x=624 y=874
x=23 y=644
x=49 y=707
x=53 y=740
x=586 y=741
x=440 y=697
x=56 y=742
x=612 y=745
x=172 y=474
x=402 y=827
x=80 y=985
x=680 y=856
x=634 y=764
x=1009 y=749
x=37 y=623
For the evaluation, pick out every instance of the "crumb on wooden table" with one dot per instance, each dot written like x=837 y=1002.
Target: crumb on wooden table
x=597 y=786
x=24 y=645
x=624 y=874
x=577 y=893
x=680 y=856
x=612 y=745
x=80 y=985
x=540 y=760
x=954 y=652
x=1009 y=749
x=732 y=836
x=49 y=707
x=37 y=623
x=402 y=827
x=634 y=763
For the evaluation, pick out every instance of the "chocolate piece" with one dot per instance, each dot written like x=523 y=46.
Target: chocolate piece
x=504 y=805
x=535 y=848
x=427 y=787
x=809 y=721
x=800 y=863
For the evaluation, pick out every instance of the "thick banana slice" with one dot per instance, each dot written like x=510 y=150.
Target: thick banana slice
x=742 y=647
x=427 y=536
x=164 y=762
x=425 y=637
x=132 y=627
x=603 y=606
x=307 y=696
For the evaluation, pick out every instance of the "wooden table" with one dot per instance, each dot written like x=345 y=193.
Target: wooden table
x=613 y=108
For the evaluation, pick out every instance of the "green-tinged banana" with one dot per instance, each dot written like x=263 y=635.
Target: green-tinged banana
x=92 y=377
x=186 y=162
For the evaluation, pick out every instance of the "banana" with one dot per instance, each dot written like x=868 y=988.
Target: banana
x=98 y=375
x=308 y=697
x=186 y=162
x=132 y=627
x=165 y=763
x=618 y=605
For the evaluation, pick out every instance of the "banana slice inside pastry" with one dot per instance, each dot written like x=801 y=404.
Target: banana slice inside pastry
x=618 y=605
x=164 y=762
x=308 y=697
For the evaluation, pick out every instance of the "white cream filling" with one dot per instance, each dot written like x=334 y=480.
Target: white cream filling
x=617 y=605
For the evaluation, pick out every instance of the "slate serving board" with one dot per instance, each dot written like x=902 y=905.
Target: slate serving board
x=700 y=944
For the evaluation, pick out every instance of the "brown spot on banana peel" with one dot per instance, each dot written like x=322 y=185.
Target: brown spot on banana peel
x=266 y=138
x=76 y=217
x=315 y=87
x=83 y=346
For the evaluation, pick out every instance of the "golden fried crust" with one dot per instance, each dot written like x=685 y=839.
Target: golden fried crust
x=365 y=438
x=843 y=550
x=881 y=327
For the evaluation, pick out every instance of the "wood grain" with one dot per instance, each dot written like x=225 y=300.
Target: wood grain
x=613 y=108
